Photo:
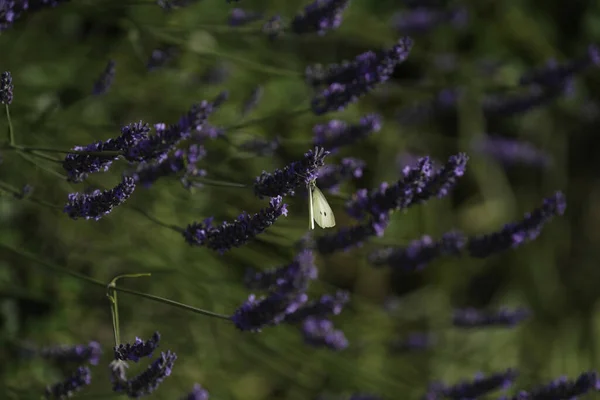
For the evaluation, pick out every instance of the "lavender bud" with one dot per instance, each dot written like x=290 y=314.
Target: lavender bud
x=297 y=274
x=160 y=57
x=6 y=85
x=274 y=27
x=331 y=176
x=197 y=393
x=239 y=17
x=561 y=388
x=237 y=233
x=422 y=20
x=336 y=133
x=516 y=234
x=480 y=386
x=326 y=306
x=105 y=80
x=74 y=383
x=99 y=203
x=285 y=182
x=419 y=252
x=73 y=354
x=507 y=105
x=414 y=342
x=511 y=151
x=320 y=16
x=137 y=350
x=321 y=333
x=473 y=318
x=255 y=314
x=148 y=381
x=348 y=238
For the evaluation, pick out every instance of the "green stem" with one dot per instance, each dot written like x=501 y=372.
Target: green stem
x=289 y=115
x=156 y=220
x=213 y=182
x=11 y=132
x=16 y=193
x=114 y=305
x=48 y=266
x=50 y=171
x=30 y=149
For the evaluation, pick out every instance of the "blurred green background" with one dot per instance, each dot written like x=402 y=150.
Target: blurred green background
x=56 y=55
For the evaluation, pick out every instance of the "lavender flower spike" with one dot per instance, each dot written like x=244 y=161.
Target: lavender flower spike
x=105 y=80
x=77 y=354
x=296 y=274
x=82 y=377
x=285 y=182
x=6 y=88
x=237 y=233
x=138 y=349
x=561 y=389
x=321 y=333
x=419 y=252
x=510 y=151
x=98 y=204
x=256 y=313
x=473 y=318
x=326 y=306
x=320 y=16
x=197 y=393
x=336 y=133
x=148 y=381
x=331 y=176
x=348 y=238
x=515 y=234
x=480 y=386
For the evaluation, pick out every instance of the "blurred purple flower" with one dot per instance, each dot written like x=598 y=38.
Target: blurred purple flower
x=419 y=252
x=82 y=377
x=350 y=237
x=239 y=17
x=413 y=342
x=106 y=79
x=297 y=274
x=261 y=147
x=257 y=313
x=320 y=16
x=473 y=318
x=480 y=386
x=442 y=104
x=160 y=57
x=79 y=354
x=197 y=393
x=287 y=181
x=273 y=27
x=331 y=176
x=324 y=307
x=422 y=20
x=148 y=381
x=99 y=203
x=561 y=388
x=237 y=233
x=335 y=133
x=513 y=235
x=321 y=333
x=511 y=151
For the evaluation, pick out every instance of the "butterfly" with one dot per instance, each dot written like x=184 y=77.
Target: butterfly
x=318 y=208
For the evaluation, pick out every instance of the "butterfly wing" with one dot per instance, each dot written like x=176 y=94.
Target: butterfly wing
x=323 y=214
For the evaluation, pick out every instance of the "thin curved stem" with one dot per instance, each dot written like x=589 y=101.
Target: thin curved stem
x=11 y=132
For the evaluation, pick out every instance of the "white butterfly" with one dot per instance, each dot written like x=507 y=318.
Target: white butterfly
x=319 y=209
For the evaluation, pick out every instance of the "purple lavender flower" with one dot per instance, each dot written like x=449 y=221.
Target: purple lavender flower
x=473 y=318
x=503 y=105
x=418 y=186
x=422 y=20
x=419 y=252
x=182 y=160
x=99 y=203
x=413 y=342
x=321 y=333
x=148 y=381
x=82 y=377
x=166 y=138
x=320 y=16
x=285 y=182
x=350 y=237
x=11 y=10
x=554 y=74
x=561 y=389
x=137 y=350
x=335 y=133
x=105 y=80
x=511 y=151
x=73 y=354
x=237 y=233
x=6 y=85
x=513 y=235
x=331 y=176
x=297 y=274
x=480 y=386
x=326 y=306
x=78 y=165
x=160 y=57
x=197 y=393
x=347 y=82
x=239 y=17
x=257 y=313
